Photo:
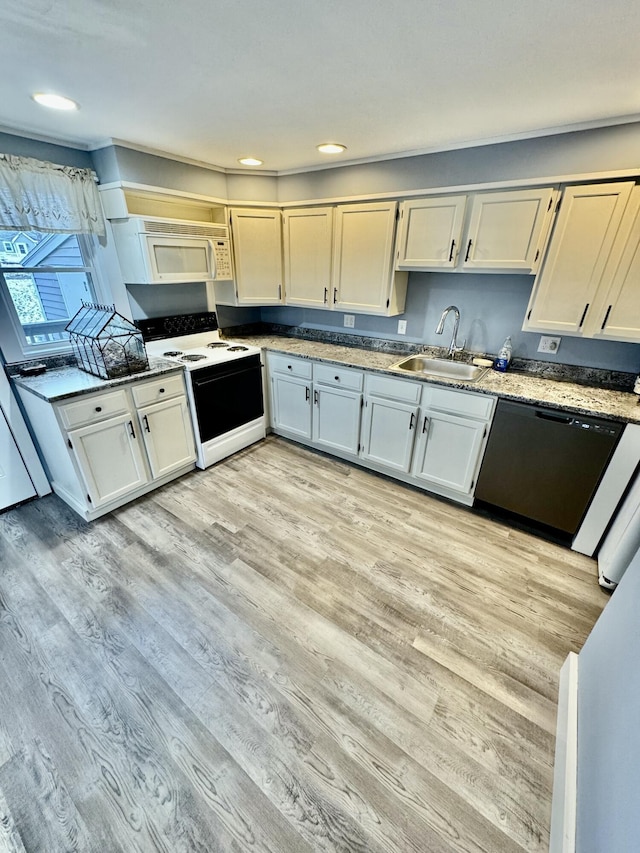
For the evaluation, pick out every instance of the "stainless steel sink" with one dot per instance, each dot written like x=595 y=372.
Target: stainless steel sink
x=441 y=367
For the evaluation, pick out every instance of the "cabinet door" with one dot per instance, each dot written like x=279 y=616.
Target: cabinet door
x=448 y=450
x=581 y=242
x=507 y=230
x=618 y=314
x=168 y=435
x=307 y=256
x=430 y=232
x=388 y=432
x=291 y=402
x=257 y=246
x=336 y=418
x=110 y=458
x=362 y=258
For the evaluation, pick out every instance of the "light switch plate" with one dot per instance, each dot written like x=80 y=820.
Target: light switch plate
x=548 y=344
x=402 y=327
x=349 y=320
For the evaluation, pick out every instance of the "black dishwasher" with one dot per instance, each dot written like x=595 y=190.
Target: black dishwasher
x=544 y=465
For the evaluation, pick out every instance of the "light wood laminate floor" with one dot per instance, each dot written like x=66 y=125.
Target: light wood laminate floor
x=284 y=653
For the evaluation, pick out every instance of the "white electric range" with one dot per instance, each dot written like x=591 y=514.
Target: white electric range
x=223 y=378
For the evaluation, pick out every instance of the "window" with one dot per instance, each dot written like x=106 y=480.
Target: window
x=44 y=286
x=8 y=246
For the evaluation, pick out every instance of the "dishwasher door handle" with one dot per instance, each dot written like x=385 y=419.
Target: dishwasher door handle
x=560 y=419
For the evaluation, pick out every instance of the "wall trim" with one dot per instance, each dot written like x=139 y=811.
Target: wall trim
x=400 y=194
x=565 y=769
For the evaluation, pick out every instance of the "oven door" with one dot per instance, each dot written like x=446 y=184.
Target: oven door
x=227 y=395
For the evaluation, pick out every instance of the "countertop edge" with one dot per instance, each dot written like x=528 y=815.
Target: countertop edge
x=36 y=385
x=623 y=405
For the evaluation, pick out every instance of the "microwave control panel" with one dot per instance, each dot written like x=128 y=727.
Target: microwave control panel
x=222 y=253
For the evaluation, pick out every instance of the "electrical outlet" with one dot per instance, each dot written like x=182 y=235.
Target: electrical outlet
x=548 y=344
x=402 y=327
x=349 y=320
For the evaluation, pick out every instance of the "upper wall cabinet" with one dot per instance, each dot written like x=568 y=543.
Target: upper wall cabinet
x=307 y=243
x=582 y=261
x=257 y=250
x=430 y=232
x=616 y=316
x=503 y=232
x=363 y=250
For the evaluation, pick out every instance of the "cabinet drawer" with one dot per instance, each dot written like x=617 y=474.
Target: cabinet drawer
x=393 y=389
x=88 y=410
x=341 y=377
x=160 y=389
x=291 y=366
x=459 y=402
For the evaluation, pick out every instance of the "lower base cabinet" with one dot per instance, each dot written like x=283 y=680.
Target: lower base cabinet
x=107 y=448
x=447 y=451
x=431 y=436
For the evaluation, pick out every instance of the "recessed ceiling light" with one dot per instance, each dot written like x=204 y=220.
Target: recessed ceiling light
x=55 y=102
x=250 y=161
x=331 y=148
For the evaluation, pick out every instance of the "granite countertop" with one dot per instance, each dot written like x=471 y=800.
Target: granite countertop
x=69 y=381
x=523 y=387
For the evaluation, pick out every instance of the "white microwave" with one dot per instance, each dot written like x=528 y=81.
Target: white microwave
x=152 y=250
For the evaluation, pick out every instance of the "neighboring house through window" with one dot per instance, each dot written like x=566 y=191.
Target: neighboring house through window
x=43 y=284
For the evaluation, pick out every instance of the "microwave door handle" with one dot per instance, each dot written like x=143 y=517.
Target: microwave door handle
x=212 y=260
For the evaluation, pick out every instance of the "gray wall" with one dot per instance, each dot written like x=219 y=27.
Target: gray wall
x=603 y=149
x=491 y=307
x=609 y=726
x=61 y=154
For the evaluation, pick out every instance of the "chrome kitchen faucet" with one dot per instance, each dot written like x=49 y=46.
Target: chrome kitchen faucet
x=453 y=346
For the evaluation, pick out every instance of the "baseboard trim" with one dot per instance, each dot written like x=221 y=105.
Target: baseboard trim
x=565 y=770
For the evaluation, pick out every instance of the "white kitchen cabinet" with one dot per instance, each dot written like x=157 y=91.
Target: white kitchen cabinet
x=257 y=250
x=616 y=315
x=577 y=269
x=290 y=394
x=427 y=435
x=337 y=403
x=307 y=243
x=430 y=232
x=336 y=418
x=448 y=450
x=451 y=438
x=484 y=232
x=167 y=434
x=508 y=230
x=364 y=280
x=109 y=447
x=291 y=405
x=109 y=459
x=389 y=421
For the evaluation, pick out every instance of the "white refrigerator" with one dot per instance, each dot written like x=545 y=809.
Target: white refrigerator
x=622 y=542
x=21 y=473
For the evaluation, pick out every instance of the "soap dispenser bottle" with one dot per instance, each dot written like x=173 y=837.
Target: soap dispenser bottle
x=504 y=356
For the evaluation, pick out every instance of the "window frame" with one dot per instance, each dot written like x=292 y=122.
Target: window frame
x=13 y=342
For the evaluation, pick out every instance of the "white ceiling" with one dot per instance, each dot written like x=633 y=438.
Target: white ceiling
x=214 y=80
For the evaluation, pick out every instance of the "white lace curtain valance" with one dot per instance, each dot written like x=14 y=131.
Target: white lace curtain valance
x=47 y=197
